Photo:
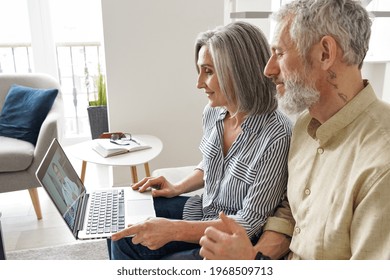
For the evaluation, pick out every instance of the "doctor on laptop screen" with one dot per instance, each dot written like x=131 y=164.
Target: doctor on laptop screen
x=66 y=191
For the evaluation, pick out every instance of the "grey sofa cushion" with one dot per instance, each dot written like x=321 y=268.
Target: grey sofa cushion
x=15 y=155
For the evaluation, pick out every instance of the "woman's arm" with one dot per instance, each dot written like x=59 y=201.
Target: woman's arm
x=162 y=187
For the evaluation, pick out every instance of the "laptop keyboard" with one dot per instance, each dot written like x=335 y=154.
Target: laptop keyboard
x=107 y=214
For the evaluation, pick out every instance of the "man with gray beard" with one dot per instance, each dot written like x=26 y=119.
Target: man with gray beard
x=338 y=192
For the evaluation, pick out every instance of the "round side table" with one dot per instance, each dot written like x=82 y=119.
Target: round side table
x=84 y=152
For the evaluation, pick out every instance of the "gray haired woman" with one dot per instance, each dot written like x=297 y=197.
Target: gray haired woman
x=243 y=172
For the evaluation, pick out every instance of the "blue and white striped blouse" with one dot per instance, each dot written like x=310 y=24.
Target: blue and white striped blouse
x=251 y=180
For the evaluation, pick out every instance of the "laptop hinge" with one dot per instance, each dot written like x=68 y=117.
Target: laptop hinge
x=82 y=214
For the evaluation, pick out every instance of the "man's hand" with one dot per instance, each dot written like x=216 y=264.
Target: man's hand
x=219 y=245
x=153 y=233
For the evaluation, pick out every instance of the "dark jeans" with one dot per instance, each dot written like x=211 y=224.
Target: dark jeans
x=2 y=250
x=171 y=208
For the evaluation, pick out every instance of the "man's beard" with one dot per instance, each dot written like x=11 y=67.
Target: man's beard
x=298 y=96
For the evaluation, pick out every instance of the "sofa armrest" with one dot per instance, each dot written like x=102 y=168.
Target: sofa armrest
x=48 y=131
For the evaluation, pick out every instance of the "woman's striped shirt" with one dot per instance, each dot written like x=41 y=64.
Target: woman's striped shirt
x=250 y=181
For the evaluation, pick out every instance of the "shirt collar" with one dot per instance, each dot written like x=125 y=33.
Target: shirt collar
x=251 y=122
x=222 y=113
x=323 y=132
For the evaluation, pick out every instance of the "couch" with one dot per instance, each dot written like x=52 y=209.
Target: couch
x=20 y=159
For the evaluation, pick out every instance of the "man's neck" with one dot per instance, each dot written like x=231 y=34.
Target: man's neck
x=339 y=88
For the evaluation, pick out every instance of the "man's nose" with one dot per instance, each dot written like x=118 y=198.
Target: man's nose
x=272 y=68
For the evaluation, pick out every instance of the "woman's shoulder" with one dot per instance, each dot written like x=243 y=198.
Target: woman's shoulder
x=283 y=119
x=212 y=114
x=272 y=123
x=213 y=110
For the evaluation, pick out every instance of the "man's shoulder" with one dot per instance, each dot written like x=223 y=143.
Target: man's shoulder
x=302 y=121
x=379 y=111
x=375 y=121
x=303 y=117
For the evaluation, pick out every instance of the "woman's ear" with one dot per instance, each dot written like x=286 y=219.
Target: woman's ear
x=328 y=51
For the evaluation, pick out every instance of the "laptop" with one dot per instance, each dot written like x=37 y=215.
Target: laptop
x=90 y=215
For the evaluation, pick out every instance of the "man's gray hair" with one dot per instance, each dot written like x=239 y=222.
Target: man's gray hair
x=347 y=21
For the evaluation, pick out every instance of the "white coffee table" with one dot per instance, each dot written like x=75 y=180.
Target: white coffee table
x=84 y=152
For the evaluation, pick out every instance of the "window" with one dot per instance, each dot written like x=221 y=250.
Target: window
x=15 y=42
x=76 y=33
x=381 y=24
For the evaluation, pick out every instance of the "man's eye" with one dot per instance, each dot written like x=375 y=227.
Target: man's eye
x=279 y=54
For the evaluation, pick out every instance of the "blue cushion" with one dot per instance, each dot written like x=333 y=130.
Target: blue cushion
x=24 y=111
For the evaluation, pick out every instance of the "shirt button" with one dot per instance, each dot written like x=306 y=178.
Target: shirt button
x=320 y=150
x=297 y=230
x=307 y=191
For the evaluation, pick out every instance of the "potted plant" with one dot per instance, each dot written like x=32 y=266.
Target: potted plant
x=97 y=109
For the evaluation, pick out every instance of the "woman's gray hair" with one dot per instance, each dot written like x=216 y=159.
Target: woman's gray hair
x=240 y=52
x=347 y=21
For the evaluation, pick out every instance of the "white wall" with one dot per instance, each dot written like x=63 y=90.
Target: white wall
x=378 y=73
x=151 y=75
x=151 y=72
x=251 y=5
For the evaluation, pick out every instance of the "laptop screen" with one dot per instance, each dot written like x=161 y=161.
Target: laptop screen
x=57 y=175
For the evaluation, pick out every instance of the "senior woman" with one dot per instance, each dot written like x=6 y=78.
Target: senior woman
x=245 y=144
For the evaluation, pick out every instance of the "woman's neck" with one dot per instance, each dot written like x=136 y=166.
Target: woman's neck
x=235 y=120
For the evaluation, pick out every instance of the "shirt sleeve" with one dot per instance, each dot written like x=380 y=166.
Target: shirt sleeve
x=200 y=166
x=370 y=228
x=282 y=221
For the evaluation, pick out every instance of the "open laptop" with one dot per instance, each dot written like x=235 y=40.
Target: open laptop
x=114 y=208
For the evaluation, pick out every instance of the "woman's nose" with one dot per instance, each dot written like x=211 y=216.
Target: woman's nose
x=200 y=82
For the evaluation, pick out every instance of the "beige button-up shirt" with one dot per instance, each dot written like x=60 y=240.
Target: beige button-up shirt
x=339 y=184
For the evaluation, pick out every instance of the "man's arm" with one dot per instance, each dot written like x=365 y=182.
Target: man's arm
x=370 y=228
x=282 y=221
x=231 y=245
x=277 y=232
x=234 y=244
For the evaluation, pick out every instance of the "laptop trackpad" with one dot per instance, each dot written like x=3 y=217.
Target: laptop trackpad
x=139 y=210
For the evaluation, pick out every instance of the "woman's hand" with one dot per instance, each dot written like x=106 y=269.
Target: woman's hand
x=153 y=233
x=160 y=187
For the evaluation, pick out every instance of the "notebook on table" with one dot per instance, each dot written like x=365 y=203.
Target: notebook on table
x=89 y=215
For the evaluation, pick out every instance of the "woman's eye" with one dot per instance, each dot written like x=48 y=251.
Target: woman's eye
x=208 y=71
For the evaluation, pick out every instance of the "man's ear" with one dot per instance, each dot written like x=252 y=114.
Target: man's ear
x=328 y=51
